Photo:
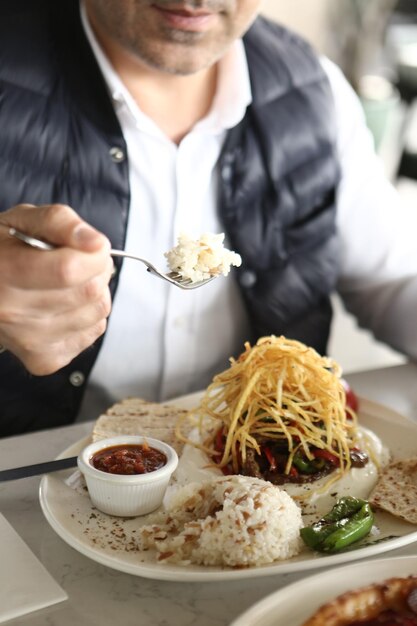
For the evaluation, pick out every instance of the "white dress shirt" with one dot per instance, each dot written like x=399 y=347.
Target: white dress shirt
x=162 y=341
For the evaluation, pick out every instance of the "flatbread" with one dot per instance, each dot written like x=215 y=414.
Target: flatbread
x=135 y=416
x=396 y=490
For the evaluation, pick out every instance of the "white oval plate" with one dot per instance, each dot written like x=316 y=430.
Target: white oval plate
x=112 y=541
x=293 y=604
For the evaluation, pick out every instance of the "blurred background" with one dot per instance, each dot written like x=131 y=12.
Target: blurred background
x=375 y=43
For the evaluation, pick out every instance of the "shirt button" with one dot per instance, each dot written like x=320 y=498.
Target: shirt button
x=180 y=321
x=76 y=379
x=247 y=279
x=117 y=154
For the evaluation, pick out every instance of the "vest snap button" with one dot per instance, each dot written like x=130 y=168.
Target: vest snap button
x=227 y=173
x=117 y=154
x=76 y=379
x=247 y=279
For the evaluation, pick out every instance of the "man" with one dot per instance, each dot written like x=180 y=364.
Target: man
x=148 y=118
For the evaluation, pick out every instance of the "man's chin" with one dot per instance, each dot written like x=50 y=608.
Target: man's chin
x=180 y=62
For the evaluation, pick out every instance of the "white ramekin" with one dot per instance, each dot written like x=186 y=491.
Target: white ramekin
x=127 y=495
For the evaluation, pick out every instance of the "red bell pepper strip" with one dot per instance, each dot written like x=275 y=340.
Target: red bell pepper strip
x=218 y=442
x=318 y=453
x=351 y=398
x=270 y=457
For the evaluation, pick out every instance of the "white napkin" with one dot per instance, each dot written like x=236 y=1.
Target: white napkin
x=25 y=584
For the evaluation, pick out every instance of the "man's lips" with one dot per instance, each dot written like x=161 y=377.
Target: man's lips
x=186 y=19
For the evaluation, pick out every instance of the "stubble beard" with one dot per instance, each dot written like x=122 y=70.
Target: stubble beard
x=178 y=64
x=173 y=51
x=178 y=52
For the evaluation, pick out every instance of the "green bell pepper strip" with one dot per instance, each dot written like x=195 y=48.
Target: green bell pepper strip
x=303 y=465
x=349 y=520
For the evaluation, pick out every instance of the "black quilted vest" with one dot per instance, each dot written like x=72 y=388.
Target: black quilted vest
x=60 y=141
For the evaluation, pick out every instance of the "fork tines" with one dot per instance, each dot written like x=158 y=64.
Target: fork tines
x=180 y=278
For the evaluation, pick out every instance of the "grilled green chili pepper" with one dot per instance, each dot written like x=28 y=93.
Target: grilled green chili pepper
x=356 y=527
x=315 y=535
x=349 y=520
x=344 y=507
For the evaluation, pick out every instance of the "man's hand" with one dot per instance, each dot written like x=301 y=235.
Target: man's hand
x=53 y=304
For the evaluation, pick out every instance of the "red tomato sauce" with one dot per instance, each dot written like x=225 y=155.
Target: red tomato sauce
x=128 y=459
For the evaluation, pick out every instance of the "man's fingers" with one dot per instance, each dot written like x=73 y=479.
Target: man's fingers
x=27 y=268
x=37 y=333
x=54 y=303
x=18 y=305
x=57 y=224
x=59 y=354
x=46 y=343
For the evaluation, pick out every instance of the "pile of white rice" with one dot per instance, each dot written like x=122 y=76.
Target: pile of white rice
x=235 y=521
x=202 y=258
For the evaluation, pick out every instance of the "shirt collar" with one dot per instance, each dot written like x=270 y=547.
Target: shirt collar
x=233 y=93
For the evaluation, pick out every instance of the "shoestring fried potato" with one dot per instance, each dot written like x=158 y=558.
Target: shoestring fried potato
x=281 y=403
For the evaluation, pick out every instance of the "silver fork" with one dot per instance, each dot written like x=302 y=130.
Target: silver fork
x=175 y=278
